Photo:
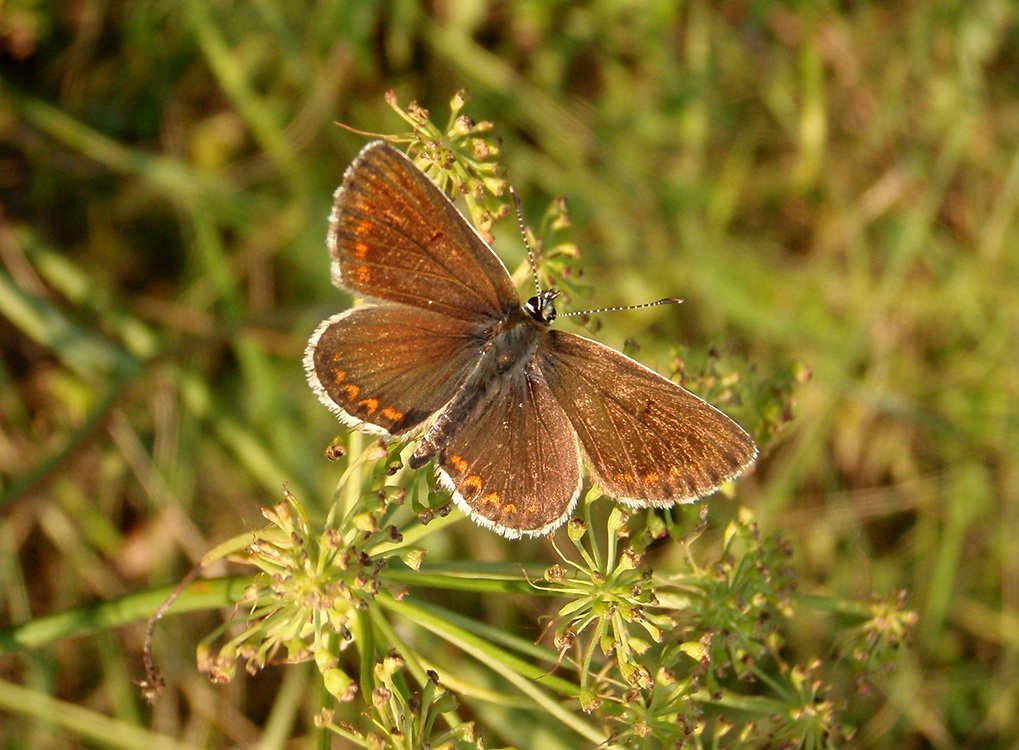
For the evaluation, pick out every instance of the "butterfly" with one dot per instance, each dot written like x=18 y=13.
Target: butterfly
x=509 y=409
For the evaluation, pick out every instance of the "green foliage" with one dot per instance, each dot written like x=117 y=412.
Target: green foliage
x=832 y=189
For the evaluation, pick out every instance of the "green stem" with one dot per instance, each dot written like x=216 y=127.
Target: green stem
x=519 y=673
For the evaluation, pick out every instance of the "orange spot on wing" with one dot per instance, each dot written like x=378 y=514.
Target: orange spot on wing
x=392 y=414
x=370 y=405
x=361 y=274
x=509 y=508
x=492 y=498
x=620 y=476
x=651 y=477
x=361 y=249
x=363 y=227
x=674 y=473
x=472 y=483
x=458 y=463
x=339 y=376
x=352 y=391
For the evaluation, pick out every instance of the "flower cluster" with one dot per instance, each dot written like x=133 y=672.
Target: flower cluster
x=404 y=718
x=304 y=601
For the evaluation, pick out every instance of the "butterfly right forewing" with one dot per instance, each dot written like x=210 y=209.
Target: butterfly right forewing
x=647 y=441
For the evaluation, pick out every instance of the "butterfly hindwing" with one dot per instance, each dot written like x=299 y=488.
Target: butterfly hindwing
x=387 y=368
x=514 y=464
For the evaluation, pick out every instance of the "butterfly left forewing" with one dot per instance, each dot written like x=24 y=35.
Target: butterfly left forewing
x=395 y=236
x=647 y=441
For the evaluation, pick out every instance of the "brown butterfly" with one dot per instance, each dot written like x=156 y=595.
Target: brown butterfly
x=510 y=408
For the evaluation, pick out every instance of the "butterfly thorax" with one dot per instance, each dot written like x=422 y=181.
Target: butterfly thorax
x=511 y=346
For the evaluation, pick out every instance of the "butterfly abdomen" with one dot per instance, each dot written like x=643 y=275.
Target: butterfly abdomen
x=510 y=349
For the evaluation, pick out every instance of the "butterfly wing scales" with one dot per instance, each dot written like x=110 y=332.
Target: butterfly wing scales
x=514 y=464
x=393 y=235
x=387 y=368
x=647 y=441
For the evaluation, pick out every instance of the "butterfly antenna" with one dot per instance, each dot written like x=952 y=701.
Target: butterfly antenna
x=527 y=242
x=656 y=303
x=537 y=285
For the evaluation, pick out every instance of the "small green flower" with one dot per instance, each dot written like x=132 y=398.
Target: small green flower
x=456 y=158
x=402 y=718
x=302 y=604
x=810 y=718
x=740 y=602
x=611 y=598
x=874 y=644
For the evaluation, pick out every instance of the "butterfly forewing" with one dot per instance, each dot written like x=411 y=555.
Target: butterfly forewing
x=394 y=236
x=514 y=464
x=389 y=367
x=647 y=440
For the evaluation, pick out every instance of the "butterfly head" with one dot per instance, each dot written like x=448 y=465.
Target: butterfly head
x=542 y=307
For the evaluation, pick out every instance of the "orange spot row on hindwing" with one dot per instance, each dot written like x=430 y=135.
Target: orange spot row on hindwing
x=650 y=478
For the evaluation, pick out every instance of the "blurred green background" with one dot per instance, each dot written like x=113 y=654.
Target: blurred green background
x=834 y=184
